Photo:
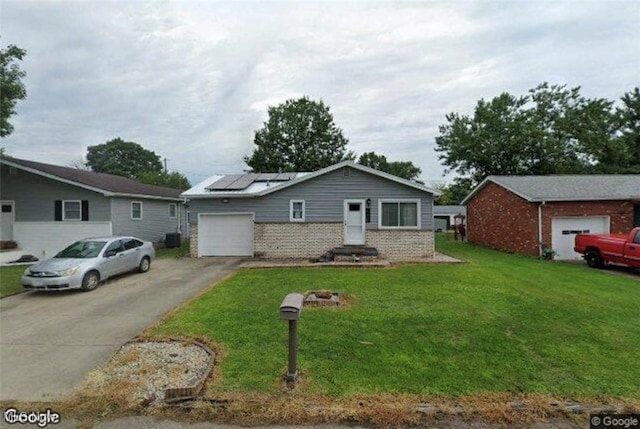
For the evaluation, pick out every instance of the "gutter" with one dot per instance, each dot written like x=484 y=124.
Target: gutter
x=540 y=227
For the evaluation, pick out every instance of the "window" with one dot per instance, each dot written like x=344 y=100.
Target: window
x=637 y=238
x=136 y=210
x=114 y=248
x=132 y=244
x=402 y=214
x=173 y=210
x=6 y=208
x=71 y=210
x=296 y=210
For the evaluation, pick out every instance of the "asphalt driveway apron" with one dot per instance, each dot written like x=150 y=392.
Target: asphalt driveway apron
x=49 y=341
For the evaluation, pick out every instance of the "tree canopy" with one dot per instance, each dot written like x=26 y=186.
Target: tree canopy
x=404 y=169
x=299 y=135
x=172 y=179
x=122 y=158
x=131 y=160
x=551 y=130
x=11 y=87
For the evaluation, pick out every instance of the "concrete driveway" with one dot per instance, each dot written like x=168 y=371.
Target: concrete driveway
x=49 y=341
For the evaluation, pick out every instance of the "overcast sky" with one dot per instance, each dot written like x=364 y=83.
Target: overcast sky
x=192 y=80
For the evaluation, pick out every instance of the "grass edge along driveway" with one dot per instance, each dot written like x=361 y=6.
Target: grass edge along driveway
x=499 y=323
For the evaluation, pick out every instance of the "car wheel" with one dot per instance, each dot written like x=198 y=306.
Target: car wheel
x=90 y=281
x=594 y=259
x=145 y=264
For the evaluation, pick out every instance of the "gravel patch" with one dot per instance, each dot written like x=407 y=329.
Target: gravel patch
x=144 y=370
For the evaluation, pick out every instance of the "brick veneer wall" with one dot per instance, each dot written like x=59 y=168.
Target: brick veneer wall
x=401 y=245
x=193 y=240
x=296 y=240
x=500 y=219
x=312 y=239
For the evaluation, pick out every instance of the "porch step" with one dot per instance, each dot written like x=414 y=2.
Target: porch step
x=355 y=250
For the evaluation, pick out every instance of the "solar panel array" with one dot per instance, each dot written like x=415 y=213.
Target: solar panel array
x=238 y=182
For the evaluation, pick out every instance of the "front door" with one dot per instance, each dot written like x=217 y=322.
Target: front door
x=354 y=222
x=6 y=220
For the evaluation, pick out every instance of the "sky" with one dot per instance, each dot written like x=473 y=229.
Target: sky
x=192 y=80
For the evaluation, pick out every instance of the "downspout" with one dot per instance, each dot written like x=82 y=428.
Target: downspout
x=540 y=228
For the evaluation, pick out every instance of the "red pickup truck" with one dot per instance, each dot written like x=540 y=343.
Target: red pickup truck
x=598 y=249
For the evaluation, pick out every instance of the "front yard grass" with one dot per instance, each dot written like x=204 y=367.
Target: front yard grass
x=174 y=252
x=498 y=323
x=10 y=279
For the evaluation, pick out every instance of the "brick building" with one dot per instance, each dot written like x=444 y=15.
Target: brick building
x=526 y=214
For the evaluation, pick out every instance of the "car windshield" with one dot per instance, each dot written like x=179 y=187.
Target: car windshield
x=82 y=250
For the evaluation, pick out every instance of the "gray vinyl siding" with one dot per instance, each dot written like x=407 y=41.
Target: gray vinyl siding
x=153 y=226
x=324 y=199
x=35 y=196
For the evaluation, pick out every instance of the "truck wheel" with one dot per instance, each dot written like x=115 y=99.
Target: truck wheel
x=594 y=259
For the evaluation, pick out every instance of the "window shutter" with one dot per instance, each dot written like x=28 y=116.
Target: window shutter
x=85 y=210
x=58 y=210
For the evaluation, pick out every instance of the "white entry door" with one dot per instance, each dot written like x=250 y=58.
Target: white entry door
x=7 y=216
x=354 y=222
x=565 y=229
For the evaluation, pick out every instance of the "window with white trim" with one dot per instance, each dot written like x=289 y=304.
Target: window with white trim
x=296 y=211
x=173 y=210
x=399 y=214
x=72 y=210
x=136 y=210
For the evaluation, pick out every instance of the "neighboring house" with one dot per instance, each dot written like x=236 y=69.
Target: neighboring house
x=45 y=207
x=444 y=216
x=307 y=214
x=527 y=214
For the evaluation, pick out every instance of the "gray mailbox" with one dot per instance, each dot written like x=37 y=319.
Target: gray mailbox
x=291 y=306
x=290 y=310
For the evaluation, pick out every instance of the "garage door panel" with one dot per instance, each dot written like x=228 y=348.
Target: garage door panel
x=565 y=229
x=225 y=235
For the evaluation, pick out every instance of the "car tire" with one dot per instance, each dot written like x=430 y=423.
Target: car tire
x=90 y=281
x=594 y=259
x=145 y=264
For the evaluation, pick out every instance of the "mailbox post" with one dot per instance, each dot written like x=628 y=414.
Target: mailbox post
x=290 y=310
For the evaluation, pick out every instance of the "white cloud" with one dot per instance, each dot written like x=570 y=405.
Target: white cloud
x=193 y=80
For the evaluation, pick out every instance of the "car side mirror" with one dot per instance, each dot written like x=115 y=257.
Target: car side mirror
x=110 y=253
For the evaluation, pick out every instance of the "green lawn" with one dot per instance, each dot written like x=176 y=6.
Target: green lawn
x=10 y=279
x=176 y=252
x=499 y=323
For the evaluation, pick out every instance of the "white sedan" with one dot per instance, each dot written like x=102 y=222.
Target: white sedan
x=85 y=263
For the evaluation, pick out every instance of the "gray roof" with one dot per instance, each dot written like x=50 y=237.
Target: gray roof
x=449 y=210
x=257 y=189
x=107 y=184
x=568 y=187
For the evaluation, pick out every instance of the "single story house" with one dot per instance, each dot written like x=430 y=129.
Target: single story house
x=527 y=214
x=444 y=216
x=46 y=207
x=308 y=214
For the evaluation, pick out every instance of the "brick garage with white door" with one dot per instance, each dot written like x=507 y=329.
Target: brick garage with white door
x=526 y=214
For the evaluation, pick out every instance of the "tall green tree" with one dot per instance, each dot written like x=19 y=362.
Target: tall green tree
x=454 y=193
x=299 y=135
x=172 y=179
x=404 y=169
x=122 y=158
x=551 y=130
x=628 y=122
x=11 y=87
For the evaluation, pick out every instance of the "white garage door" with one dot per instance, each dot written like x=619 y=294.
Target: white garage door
x=225 y=235
x=564 y=230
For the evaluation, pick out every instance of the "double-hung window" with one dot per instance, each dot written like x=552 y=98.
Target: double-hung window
x=136 y=210
x=399 y=214
x=71 y=210
x=296 y=211
x=173 y=210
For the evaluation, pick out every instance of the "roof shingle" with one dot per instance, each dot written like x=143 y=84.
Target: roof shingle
x=101 y=181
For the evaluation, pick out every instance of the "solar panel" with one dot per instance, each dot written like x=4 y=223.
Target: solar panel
x=238 y=182
x=221 y=184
